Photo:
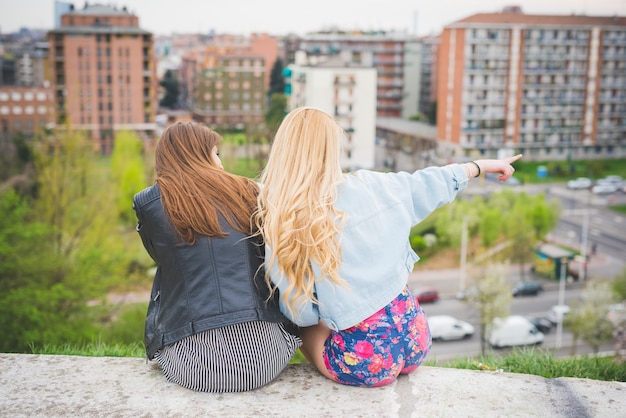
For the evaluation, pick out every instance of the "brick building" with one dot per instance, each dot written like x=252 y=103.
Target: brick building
x=103 y=72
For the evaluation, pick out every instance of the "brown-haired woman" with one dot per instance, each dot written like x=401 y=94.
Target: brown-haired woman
x=210 y=323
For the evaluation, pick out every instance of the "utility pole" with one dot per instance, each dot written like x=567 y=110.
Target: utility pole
x=559 y=323
x=463 y=255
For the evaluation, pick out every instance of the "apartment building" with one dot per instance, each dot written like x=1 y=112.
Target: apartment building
x=228 y=90
x=552 y=87
x=224 y=79
x=428 y=77
x=26 y=95
x=394 y=55
x=25 y=109
x=103 y=71
x=347 y=91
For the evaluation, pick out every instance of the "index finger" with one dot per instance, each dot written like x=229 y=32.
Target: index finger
x=513 y=159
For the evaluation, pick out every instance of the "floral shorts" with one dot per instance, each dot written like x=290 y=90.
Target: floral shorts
x=395 y=340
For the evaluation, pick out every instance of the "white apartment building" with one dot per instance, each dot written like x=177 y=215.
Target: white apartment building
x=345 y=90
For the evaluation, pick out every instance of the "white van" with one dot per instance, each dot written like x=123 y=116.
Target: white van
x=446 y=327
x=514 y=331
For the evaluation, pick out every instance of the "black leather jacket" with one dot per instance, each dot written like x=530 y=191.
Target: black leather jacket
x=211 y=284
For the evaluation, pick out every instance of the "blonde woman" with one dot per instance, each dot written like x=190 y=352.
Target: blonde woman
x=211 y=323
x=337 y=249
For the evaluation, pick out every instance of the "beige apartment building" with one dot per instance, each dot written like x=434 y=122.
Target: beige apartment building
x=224 y=80
x=552 y=87
x=103 y=72
x=395 y=56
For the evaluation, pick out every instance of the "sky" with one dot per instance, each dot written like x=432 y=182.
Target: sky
x=279 y=17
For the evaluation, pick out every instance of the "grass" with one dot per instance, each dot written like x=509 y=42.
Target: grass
x=618 y=208
x=533 y=361
x=561 y=171
x=541 y=362
x=94 y=349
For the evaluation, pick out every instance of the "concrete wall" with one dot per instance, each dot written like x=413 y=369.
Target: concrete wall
x=72 y=386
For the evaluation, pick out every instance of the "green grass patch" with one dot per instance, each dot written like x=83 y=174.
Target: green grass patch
x=541 y=362
x=94 y=349
x=618 y=208
x=244 y=167
x=562 y=171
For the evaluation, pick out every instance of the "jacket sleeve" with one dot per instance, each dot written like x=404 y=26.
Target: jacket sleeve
x=431 y=188
x=141 y=228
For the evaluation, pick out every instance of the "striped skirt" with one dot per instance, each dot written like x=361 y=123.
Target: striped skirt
x=235 y=358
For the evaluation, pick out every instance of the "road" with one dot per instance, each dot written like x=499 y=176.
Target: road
x=536 y=306
x=605 y=228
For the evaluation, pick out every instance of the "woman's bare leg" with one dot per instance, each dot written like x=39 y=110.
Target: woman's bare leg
x=313 y=339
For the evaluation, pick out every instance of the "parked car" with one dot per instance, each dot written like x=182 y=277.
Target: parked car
x=604 y=187
x=542 y=324
x=557 y=313
x=531 y=288
x=580 y=183
x=427 y=295
x=446 y=327
x=514 y=331
x=616 y=180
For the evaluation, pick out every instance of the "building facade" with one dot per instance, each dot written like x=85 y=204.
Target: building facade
x=345 y=90
x=394 y=55
x=551 y=87
x=225 y=79
x=25 y=109
x=428 y=78
x=103 y=71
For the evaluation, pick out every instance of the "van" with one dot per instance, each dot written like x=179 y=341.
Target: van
x=446 y=327
x=514 y=331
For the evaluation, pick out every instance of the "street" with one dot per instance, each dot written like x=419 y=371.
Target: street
x=585 y=220
x=536 y=306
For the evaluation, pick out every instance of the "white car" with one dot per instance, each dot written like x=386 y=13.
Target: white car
x=514 y=331
x=604 y=187
x=580 y=183
x=557 y=313
x=446 y=327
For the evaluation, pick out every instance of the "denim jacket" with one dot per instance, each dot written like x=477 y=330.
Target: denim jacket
x=377 y=257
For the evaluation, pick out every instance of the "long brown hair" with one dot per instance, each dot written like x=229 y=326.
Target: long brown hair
x=194 y=189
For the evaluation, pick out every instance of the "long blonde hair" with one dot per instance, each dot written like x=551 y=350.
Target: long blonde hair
x=194 y=189
x=296 y=213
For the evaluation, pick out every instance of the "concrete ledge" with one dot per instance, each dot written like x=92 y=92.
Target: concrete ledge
x=62 y=386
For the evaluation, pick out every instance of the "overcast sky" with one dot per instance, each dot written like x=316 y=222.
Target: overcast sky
x=280 y=17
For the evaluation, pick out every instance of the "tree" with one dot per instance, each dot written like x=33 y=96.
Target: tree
x=172 y=90
x=528 y=219
x=82 y=235
x=38 y=308
x=419 y=117
x=128 y=172
x=492 y=298
x=275 y=113
x=588 y=318
x=619 y=286
x=277 y=81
